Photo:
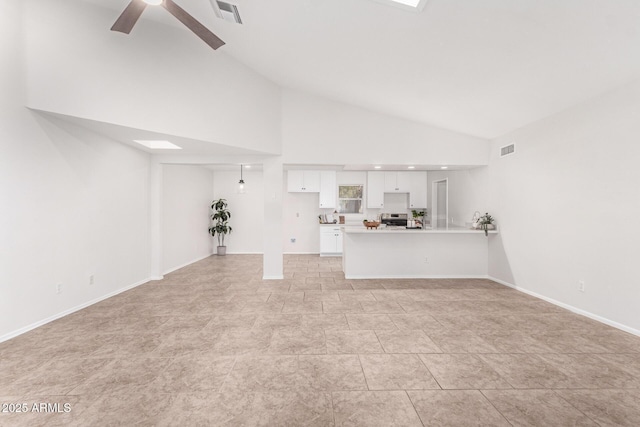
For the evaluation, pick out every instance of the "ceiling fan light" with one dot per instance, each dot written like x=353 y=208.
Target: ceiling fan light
x=153 y=2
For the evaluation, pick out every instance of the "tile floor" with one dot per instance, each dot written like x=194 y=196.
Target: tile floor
x=213 y=344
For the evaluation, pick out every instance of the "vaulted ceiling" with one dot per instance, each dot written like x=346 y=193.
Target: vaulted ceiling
x=482 y=68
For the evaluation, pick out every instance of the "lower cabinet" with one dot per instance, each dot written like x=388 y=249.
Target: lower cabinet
x=330 y=241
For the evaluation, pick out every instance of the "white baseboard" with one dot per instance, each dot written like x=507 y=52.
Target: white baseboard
x=39 y=323
x=183 y=265
x=419 y=276
x=262 y=253
x=571 y=308
x=278 y=277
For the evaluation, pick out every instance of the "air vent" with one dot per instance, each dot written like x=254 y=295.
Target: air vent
x=507 y=149
x=227 y=11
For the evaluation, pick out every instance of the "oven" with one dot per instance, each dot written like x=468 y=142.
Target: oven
x=394 y=219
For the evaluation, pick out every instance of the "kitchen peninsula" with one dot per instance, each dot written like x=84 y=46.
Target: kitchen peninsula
x=454 y=252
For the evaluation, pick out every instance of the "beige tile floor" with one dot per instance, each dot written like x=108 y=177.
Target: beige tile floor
x=213 y=344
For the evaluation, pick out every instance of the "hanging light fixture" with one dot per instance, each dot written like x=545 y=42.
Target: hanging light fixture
x=241 y=182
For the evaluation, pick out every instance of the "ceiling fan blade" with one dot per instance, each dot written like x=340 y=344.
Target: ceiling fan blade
x=129 y=17
x=190 y=22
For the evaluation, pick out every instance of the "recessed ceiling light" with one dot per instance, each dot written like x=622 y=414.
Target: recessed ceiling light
x=247 y=166
x=444 y=167
x=156 y=2
x=411 y=167
x=377 y=167
x=157 y=144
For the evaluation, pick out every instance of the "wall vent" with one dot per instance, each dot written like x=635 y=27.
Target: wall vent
x=227 y=11
x=507 y=149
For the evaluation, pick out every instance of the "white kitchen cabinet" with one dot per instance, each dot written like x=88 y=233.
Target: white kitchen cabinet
x=330 y=241
x=300 y=181
x=418 y=190
x=375 y=190
x=397 y=182
x=328 y=189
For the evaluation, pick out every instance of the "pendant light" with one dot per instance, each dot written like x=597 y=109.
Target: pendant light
x=241 y=182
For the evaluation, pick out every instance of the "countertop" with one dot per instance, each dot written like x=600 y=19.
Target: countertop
x=448 y=230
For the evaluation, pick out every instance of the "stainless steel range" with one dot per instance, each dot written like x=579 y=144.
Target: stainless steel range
x=391 y=220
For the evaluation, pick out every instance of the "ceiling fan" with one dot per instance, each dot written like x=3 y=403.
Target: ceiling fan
x=132 y=12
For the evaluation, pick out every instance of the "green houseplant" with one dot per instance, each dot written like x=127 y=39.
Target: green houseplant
x=221 y=226
x=486 y=223
x=420 y=216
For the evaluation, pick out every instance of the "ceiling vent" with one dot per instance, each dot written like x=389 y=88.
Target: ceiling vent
x=227 y=11
x=507 y=149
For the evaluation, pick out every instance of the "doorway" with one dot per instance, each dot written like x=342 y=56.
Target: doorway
x=440 y=203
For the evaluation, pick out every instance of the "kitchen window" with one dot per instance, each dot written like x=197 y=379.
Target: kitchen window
x=350 y=199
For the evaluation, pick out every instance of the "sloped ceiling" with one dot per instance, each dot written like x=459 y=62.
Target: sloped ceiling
x=483 y=68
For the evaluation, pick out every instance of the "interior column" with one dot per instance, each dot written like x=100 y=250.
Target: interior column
x=273 y=245
x=155 y=219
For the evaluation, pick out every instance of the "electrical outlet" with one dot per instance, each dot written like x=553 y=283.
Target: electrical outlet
x=297 y=214
x=91 y=279
x=59 y=288
x=426 y=260
x=581 y=285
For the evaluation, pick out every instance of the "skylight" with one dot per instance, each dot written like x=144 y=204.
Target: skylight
x=157 y=144
x=412 y=5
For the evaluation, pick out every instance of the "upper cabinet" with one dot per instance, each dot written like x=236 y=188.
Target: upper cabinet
x=397 y=182
x=414 y=183
x=418 y=190
x=328 y=189
x=375 y=190
x=323 y=182
x=303 y=181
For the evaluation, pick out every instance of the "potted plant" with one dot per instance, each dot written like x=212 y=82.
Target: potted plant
x=420 y=216
x=221 y=227
x=486 y=223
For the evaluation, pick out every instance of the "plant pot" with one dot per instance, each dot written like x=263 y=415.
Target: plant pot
x=222 y=250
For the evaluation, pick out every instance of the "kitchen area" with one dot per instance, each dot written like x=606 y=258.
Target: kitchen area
x=402 y=242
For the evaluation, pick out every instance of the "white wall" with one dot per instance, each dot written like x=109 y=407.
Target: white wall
x=319 y=131
x=300 y=218
x=73 y=204
x=567 y=204
x=469 y=191
x=301 y=212
x=158 y=78
x=187 y=192
x=247 y=210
